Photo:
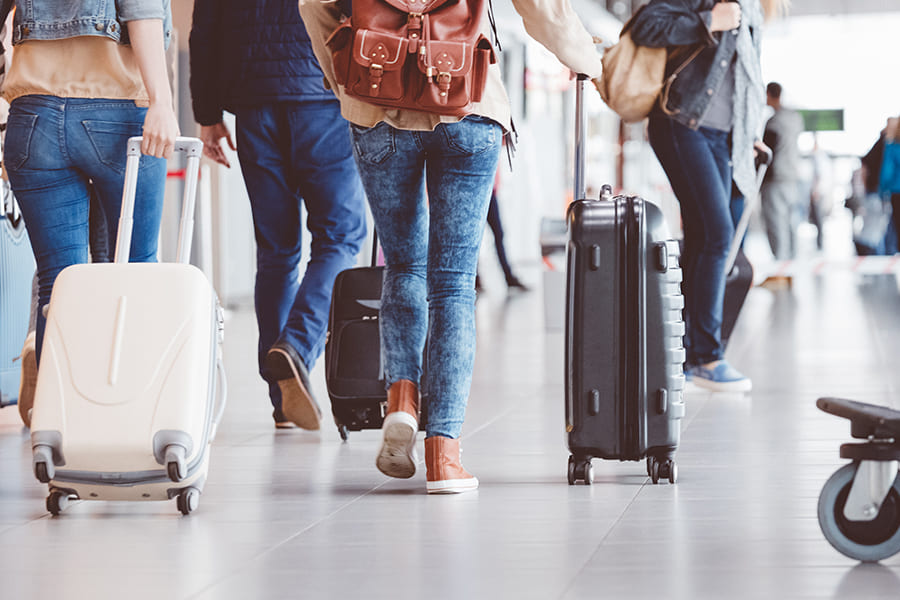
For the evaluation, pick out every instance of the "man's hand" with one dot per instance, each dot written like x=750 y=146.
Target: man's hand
x=212 y=135
x=725 y=16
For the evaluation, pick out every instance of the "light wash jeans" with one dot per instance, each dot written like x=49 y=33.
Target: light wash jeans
x=431 y=243
x=58 y=152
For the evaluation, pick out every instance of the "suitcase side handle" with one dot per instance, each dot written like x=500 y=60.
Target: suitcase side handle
x=193 y=148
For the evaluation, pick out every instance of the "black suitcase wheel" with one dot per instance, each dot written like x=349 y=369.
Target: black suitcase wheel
x=580 y=469
x=343 y=432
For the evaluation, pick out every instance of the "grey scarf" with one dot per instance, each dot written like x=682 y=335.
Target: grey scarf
x=749 y=97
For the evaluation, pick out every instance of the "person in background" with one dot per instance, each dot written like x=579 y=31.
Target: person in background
x=820 y=191
x=431 y=247
x=781 y=185
x=254 y=59
x=889 y=177
x=704 y=137
x=493 y=221
x=84 y=78
x=876 y=236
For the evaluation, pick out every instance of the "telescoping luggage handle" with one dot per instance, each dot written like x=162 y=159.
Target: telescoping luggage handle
x=763 y=160
x=193 y=148
x=580 y=133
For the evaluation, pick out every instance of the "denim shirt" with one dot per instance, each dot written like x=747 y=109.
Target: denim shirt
x=62 y=19
x=665 y=23
x=686 y=23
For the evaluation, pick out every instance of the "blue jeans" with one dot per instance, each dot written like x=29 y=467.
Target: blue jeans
x=698 y=165
x=293 y=154
x=57 y=151
x=431 y=245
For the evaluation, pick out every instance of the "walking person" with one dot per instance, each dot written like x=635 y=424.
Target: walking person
x=781 y=185
x=496 y=226
x=85 y=77
x=254 y=60
x=431 y=247
x=704 y=137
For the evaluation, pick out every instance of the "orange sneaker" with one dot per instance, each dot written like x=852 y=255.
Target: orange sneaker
x=445 y=473
x=397 y=457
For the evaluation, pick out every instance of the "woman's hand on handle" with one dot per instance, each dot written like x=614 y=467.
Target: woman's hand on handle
x=725 y=16
x=160 y=130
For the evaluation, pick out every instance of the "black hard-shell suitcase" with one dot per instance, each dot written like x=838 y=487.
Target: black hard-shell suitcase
x=354 y=373
x=624 y=331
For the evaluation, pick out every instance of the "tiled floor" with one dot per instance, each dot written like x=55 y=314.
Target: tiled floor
x=291 y=514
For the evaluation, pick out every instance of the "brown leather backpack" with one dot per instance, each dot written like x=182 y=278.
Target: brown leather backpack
x=425 y=55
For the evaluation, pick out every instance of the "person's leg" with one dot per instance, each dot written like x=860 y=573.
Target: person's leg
x=52 y=193
x=697 y=165
x=462 y=160
x=263 y=151
x=391 y=163
x=324 y=170
x=777 y=211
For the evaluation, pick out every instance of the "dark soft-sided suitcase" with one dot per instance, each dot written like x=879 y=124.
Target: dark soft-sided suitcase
x=354 y=373
x=739 y=278
x=624 y=331
x=16 y=273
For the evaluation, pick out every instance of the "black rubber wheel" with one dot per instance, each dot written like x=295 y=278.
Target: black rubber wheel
x=344 y=432
x=571 y=470
x=56 y=502
x=40 y=471
x=673 y=471
x=650 y=461
x=173 y=472
x=654 y=473
x=188 y=500
x=588 y=471
x=867 y=541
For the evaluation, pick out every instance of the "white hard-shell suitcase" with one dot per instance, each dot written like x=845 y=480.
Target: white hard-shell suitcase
x=131 y=385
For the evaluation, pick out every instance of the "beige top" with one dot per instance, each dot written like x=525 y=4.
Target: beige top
x=79 y=67
x=553 y=23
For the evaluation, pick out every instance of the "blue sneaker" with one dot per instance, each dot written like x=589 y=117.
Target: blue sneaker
x=720 y=377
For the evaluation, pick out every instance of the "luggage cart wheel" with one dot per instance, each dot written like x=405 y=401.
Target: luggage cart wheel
x=665 y=470
x=867 y=541
x=57 y=502
x=571 y=470
x=344 y=432
x=654 y=471
x=188 y=500
x=650 y=461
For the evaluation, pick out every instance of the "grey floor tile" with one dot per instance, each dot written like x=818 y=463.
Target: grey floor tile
x=293 y=514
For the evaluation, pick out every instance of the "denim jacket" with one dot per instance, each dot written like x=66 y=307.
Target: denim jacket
x=61 y=19
x=664 y=23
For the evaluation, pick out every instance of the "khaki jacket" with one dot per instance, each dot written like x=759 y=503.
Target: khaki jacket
x=553 y=23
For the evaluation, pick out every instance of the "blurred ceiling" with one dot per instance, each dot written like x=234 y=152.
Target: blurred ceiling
x=623 y=8
x=842 y=7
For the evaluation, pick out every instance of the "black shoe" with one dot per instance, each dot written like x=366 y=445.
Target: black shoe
x=285 y=367
x=513 y=282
